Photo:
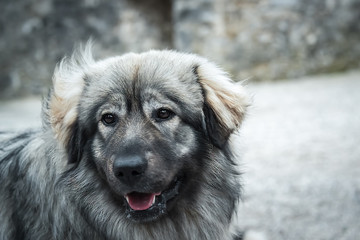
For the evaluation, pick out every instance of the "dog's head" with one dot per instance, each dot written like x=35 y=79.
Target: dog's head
x=147 y=121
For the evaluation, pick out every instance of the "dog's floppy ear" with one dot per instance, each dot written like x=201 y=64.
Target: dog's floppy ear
x=62 y=107
x=225 y=102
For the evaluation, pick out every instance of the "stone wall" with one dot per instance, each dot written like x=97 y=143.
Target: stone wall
x=258 y=39
x=272 y=39
x=36 y=34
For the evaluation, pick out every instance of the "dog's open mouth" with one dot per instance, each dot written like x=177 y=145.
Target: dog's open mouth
x=144 y=207
x=141 y=201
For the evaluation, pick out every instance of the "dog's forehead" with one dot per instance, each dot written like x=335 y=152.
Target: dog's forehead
x=170 y=75
x=166 y=64
x=143 y=74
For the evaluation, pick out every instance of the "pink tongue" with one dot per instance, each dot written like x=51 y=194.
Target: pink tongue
x=141 y=201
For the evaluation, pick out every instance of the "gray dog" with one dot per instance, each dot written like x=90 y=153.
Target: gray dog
x=132 y=147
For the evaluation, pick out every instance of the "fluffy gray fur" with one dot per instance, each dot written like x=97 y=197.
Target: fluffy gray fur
x=53 y=185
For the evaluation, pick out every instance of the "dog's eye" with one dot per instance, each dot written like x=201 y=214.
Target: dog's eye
x=163 y=114
x=108 y=119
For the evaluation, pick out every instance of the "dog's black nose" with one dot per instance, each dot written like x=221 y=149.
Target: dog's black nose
x=129 y=169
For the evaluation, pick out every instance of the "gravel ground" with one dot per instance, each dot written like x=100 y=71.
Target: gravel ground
x=301 y=157
x=302 y=160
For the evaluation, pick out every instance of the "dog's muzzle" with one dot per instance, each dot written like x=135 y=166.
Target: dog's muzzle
x=145 y=207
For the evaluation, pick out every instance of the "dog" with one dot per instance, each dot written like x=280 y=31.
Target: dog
x=137 y=146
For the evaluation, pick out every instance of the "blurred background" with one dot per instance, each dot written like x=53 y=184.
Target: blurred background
x=300 y=142
x=261 y=39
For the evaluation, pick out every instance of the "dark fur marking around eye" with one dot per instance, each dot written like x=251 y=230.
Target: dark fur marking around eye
x=163 y=114
x=109 y=119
